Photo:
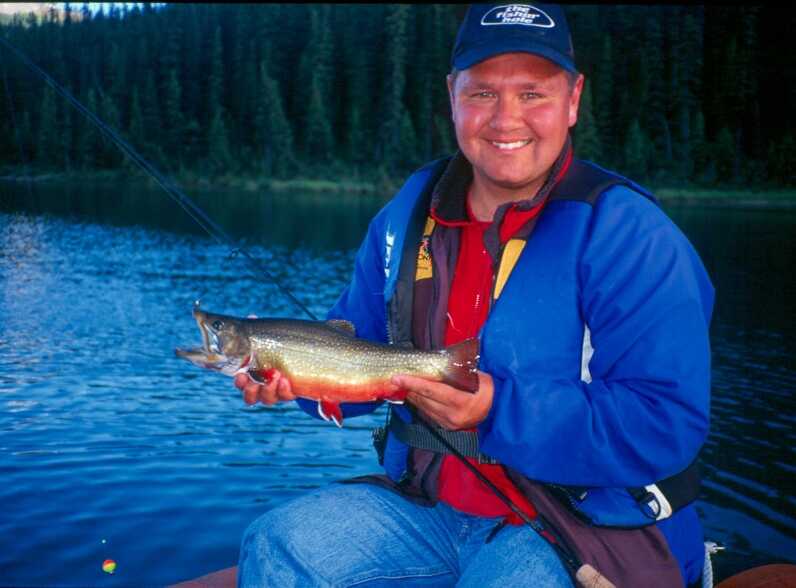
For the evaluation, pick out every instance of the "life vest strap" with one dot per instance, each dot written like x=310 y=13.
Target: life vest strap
x=416 y=435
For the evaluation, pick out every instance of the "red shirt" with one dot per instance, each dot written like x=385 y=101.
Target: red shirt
x=468 y=306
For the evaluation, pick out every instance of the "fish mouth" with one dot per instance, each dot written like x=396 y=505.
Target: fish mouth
x=199 y=356
x=210 y=355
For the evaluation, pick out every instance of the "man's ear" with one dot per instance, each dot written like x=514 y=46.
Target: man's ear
x=574 y=100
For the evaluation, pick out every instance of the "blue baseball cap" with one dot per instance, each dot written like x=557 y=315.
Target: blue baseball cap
x=492 y=29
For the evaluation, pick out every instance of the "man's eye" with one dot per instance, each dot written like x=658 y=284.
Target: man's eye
x=531 y=95
x=483 y=95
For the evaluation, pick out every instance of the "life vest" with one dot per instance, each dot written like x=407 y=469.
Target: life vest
x=543 y=263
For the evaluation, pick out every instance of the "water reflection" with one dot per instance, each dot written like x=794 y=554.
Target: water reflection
x=314 y=221
x=94 y=408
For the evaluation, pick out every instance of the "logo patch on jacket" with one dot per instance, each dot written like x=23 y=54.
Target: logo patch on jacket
x=424 y=269
x=518 y=14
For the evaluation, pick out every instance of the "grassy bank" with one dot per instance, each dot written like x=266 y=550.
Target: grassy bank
x=192 y=181
x=754 y=197
x=383 y=185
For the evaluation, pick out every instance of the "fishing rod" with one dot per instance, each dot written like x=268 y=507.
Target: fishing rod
x=188 y=205
x=216 y=232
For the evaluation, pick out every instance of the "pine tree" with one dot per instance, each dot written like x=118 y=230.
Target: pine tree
x=274 y=137
x=318 y=140
x=173 y=120
x=603 y=85
x=587 y=135
x=393 y=87
x=635 y=152
x=46 y=142
x=724 y=155
x=215 y=78
x=218 y=145
x=109 y=155
x=65 y=137
x=314 y=77
x=407 y=146
x=699 y=147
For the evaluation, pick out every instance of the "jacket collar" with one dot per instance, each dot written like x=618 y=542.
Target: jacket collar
x=449 y=199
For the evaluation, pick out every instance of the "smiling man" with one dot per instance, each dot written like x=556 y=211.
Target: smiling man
x=592 y=313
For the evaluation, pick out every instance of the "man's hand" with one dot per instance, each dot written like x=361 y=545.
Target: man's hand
x=451 y=408
x=277 y=389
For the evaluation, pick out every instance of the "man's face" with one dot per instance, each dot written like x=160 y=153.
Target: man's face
x=512 y=114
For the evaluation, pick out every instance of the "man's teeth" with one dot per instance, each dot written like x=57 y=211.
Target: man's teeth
x=508 y=146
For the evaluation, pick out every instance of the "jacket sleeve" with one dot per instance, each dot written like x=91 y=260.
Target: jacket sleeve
x=361 y=303
x=647 y=301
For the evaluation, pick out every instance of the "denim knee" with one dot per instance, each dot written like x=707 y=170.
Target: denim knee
x=263 y=551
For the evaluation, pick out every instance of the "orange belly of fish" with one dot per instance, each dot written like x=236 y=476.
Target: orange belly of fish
x=318 y=389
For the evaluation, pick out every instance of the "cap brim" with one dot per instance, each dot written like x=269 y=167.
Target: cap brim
x=476 y=55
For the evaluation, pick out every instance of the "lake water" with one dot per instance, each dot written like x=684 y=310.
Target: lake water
x=110 y=447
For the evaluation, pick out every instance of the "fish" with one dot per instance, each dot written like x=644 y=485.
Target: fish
x=324 y=360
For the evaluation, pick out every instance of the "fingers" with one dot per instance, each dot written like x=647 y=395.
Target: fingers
x=449 y=407
x=277 y=389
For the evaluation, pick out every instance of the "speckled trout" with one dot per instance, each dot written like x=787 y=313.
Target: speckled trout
x=324 y=361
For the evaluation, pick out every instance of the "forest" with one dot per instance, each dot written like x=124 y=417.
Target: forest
x=675 y=95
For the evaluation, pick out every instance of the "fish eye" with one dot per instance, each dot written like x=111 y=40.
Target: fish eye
x=217 y=325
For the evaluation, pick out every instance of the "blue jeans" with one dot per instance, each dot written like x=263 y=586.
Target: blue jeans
x=363 y=535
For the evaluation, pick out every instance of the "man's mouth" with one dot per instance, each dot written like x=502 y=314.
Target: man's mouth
x=510 y=146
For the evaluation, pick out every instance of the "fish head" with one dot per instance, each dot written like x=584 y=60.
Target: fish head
x=225 y=343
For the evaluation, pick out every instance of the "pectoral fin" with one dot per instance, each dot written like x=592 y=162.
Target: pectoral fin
x=396 y=397
x=345 y=327
x=329 y=410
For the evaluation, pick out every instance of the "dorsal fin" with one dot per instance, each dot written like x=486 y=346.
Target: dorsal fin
x=346 y=327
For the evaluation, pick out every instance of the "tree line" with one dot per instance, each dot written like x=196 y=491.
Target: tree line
x=674 y=94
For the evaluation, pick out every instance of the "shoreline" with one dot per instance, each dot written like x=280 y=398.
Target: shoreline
x=688 y=196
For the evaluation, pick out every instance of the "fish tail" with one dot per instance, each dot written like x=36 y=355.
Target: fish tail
x=461 y=371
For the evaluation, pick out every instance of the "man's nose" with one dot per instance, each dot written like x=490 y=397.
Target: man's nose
x=506 y=116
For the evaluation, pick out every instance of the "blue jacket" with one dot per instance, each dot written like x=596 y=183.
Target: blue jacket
x=617 y=267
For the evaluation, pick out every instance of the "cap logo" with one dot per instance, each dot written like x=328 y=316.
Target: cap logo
x=518 y=14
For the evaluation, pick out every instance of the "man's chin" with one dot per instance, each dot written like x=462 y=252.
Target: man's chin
x=525 y=185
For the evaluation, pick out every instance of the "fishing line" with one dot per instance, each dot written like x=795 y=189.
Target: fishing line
x=217 y=233
x=193 y=210
x=539 y=524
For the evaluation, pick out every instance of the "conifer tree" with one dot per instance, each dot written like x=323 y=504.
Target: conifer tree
x=46 y=142
x=699 y=147
x=724 y=155
x=109 y=155
x=358 y=93
x=393 y=85
x=172 y=120
x=602 y=94
x=314 y=79
x=218 y=145
x=63 y=154
x=273 y=134
x=319 y=139
x=215 y=81
x=635 y=152
x=408 y=142
x=587 y=135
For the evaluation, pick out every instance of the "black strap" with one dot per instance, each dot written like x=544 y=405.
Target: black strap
x=418 y=435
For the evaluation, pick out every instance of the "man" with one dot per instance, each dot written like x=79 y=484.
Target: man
x=592 y=311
